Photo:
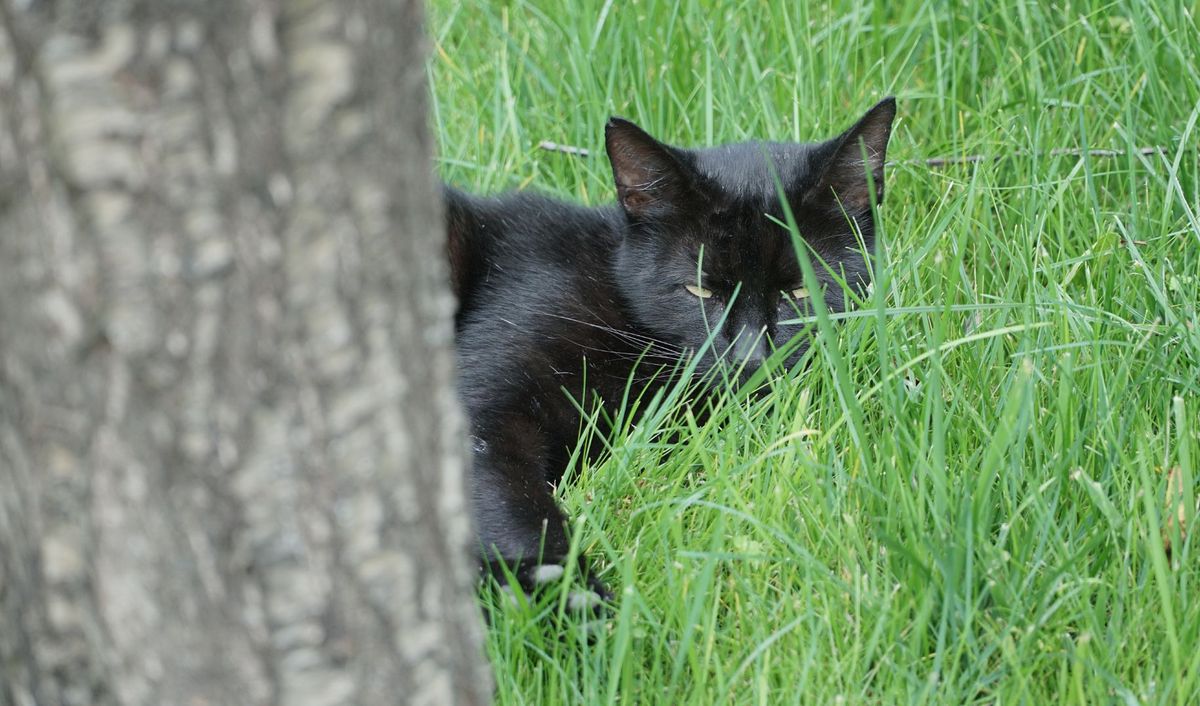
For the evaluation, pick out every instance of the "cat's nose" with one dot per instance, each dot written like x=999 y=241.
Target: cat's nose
x=750 y=347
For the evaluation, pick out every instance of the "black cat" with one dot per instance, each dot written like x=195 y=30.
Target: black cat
x=560 y=301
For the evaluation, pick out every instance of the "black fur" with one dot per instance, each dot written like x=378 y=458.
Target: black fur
x=555 y=297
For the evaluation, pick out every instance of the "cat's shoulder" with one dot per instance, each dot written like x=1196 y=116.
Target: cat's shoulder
x=517 y=205
x=528 y=217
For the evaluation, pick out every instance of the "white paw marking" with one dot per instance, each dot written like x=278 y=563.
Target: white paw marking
x=510 y=596
x=592 y=628
x=582 y=600
x=545 y=573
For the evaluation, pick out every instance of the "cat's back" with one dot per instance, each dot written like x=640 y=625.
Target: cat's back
x=515 y=244
x=540 y=289
x=523 y=224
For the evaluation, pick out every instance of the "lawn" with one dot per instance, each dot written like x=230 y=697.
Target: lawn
x=965 y=496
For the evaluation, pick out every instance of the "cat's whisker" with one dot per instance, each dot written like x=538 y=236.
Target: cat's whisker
x=619 y=333
x=629 y=336
x=668 y=355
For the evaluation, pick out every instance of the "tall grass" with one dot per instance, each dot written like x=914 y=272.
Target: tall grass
x=961 y=499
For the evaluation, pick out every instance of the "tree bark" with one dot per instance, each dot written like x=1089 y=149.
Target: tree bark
x=231 y=457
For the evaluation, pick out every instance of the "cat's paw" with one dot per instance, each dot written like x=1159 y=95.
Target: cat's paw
x=535 y=579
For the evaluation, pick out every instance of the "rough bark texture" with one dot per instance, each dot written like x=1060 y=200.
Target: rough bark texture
x=230 y=453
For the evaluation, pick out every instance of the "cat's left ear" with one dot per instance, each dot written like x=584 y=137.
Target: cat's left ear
x=843 y=182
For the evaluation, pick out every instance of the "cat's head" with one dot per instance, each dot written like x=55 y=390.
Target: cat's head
x=704 y=250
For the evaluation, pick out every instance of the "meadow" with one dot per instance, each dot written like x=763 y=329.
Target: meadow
x=980 y=486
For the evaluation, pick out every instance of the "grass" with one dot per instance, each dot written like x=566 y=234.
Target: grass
x=961 y=499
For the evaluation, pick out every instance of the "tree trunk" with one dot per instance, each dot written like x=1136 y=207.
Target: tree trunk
x=231 y=458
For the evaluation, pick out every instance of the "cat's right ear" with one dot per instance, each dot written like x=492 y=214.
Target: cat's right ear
x=652 y=178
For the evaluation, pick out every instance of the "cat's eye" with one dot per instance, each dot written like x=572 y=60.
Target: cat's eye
x=698 y=291
x=800 y=293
